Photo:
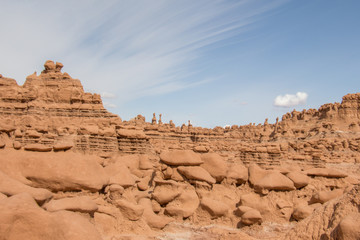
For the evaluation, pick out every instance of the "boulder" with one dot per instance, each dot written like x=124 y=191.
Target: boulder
x=156 y=207
x=17 y=145
x=143 y=184
x=196 y=173
x=180 y=158
x=201 y=149
x=152 y=219
x=175 y=175
x=241 y=210
x=115 y=191
x=348 y=228
x=185 y=205
x=251 y=217
x=36 y=147
x=132 y=134
x=2 y=143
x=10 y=187
x=215 y=165
x=66 y=172
x=130 y=210
x=62 y=146
x=62 y=171
x=254 y=201
x=302 y=211
x=256 y=173
x=300 y=180
x=166 y=191
x=22 y=218
x=214 y=207
x=325 y=172
x=145 y=163
x=274 y=181
x=324 y=196
x=122 y=176
x=82 y=204
x=167 y=173
x=237 y=174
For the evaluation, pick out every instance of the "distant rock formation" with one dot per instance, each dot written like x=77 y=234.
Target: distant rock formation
x=53 y=107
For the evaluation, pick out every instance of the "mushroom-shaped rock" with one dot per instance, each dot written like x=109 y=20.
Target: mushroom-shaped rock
x=251 y=217
x=181 y=158
x=215 y=165
x=274 y=181
x=152 y=219
x=324 y=196
x=214 y=207
x=58 y=66
x=348 y=228
x=325 y=172
x=10 y=187
x=185 y=205
x=302 y=211
x=196 y=173
x=237 y=173
x=49 y=66
x=36 y=147
x=130 y=210
x=76 y=204
x=300 y=180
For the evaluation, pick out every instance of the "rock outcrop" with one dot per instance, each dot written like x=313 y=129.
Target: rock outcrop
x=69 y=169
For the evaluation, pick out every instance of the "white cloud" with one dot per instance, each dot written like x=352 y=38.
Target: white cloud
x=108 y=95
x=109 y=105
x=289 y=100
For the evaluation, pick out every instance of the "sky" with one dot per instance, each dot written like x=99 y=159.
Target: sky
x=215 y=63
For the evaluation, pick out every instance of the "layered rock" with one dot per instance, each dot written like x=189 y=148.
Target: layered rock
x=148 y=175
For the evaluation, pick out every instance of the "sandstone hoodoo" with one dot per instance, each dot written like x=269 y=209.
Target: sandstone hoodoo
x=69 y=169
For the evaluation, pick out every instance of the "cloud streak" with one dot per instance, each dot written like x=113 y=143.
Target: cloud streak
x=290 y=100
x=133 y=49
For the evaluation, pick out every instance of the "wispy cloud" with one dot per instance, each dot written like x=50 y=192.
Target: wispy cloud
x=131 y=48
x=108 y=95
x=290 y=100
x=109 y=105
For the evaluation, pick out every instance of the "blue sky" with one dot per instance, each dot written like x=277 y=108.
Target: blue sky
x=215 y=63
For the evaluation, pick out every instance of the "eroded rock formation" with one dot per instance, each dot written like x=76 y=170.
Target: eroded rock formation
x=72 y=170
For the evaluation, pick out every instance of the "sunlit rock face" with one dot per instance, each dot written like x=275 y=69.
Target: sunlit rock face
x=86 y=174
